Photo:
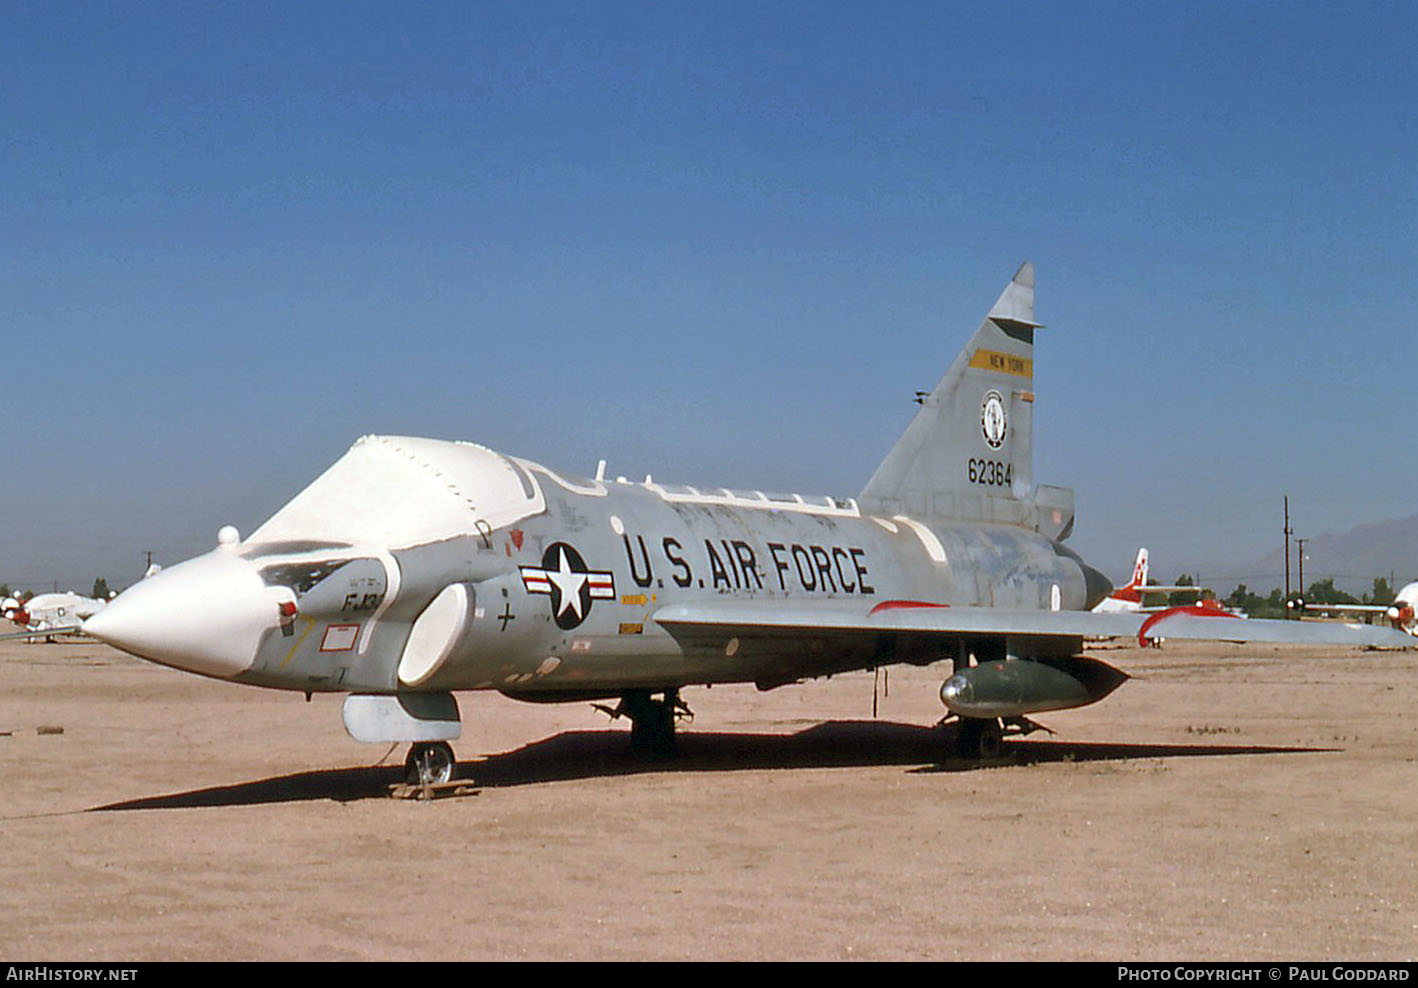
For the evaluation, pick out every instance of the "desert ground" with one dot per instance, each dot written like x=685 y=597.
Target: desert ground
x=1230 y=802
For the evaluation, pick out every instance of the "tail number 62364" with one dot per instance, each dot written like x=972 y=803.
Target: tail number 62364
x=991 y=472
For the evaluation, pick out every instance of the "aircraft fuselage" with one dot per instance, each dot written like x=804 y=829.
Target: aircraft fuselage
x=559 y=603
x=415 y=568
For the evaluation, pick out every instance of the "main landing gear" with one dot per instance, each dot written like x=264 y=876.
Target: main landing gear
x=429 y=763
x=990 y=690
x=982 y=739
x=979 y=739
x=652 y=722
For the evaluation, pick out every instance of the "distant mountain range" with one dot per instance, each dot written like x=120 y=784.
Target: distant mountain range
x=1387 y=548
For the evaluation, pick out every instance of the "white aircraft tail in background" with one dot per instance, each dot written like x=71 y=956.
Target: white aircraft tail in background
x=1128 y=598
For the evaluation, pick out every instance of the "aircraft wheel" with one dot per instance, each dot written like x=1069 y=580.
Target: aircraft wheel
x=980 y=739
x=429 y=764
x=652 y=728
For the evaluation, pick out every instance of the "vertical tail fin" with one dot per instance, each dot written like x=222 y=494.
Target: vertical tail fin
x=969 y=452
x=1139 y=569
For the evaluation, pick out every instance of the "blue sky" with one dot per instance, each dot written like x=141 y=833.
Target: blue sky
x=715 y=242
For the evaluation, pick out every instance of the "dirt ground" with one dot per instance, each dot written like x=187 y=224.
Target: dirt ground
x=1232 y=802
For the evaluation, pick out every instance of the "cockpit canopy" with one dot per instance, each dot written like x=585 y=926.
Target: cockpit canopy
x=398 y=491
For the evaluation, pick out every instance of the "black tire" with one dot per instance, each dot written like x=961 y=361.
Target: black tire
x=991 y=741
x=652 y=731
x=979 y=739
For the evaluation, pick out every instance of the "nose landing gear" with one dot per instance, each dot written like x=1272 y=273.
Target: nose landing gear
x=429 y=764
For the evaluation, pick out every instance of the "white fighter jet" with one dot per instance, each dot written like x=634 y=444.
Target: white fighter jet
x=416 y=568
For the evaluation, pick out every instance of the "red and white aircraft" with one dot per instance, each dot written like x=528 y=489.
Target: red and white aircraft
x=51 y=613
x=1128 y=599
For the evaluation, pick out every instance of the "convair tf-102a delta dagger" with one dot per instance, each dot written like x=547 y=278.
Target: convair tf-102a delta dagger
x=414 y=568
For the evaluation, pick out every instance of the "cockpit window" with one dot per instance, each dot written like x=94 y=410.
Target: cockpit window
x=261 y=550
x=300 y=576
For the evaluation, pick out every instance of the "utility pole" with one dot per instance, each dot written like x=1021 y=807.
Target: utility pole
x=1300 y=543
x=1287 y=546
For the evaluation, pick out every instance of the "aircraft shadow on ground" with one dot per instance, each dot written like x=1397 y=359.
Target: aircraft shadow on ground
x=576 y=755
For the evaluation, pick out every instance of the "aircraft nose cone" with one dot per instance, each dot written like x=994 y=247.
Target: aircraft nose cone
x=206 y=615
x=1097 y=586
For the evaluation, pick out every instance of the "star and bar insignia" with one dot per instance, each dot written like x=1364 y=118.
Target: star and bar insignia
x=564 y=577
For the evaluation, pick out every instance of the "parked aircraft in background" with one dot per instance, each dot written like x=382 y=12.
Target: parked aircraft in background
x=1402 y=614
x=414 y=568
x=50 y=614
x=1129 y=598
